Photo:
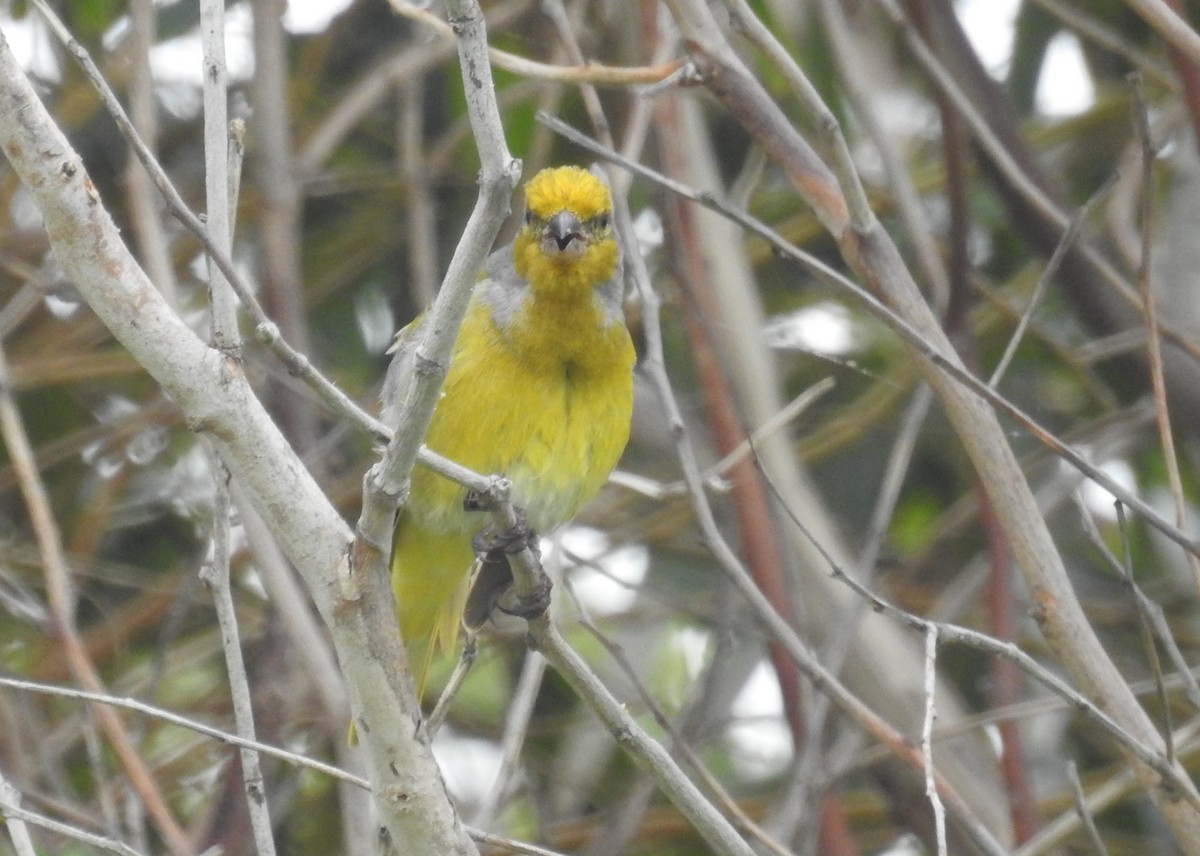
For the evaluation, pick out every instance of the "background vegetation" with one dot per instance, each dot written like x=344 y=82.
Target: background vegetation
x=1038 y=241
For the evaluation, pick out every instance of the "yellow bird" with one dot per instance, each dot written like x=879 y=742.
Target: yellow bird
x=539 y=389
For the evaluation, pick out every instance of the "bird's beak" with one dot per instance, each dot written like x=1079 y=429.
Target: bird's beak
x=564 y=235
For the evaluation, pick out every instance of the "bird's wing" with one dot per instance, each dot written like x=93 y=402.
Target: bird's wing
x=399 y=373
x=505 y=291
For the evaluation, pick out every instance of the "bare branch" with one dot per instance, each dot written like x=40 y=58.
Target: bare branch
x=1145 y=280
x=190 y=724
x=931 y=791
x=593 y=73
x=1084 y=812
x=10 y=806
x=1170 y=26
x=645 y=752
x=16 y=818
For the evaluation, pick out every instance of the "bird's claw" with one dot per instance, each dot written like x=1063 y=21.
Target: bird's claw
x=493 y=588
x=512 y=540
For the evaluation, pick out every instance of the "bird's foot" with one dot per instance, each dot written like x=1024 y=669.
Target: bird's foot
x=493 y=585
x=516 y=538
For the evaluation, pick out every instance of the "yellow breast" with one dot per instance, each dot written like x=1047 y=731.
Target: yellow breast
x=545 y=401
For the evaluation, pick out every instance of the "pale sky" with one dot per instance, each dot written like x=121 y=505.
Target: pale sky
x=1064 y=88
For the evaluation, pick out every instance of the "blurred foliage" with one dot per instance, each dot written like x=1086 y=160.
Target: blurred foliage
x=133 y=499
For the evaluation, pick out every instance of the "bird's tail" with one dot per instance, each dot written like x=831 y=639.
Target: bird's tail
x=430 y=576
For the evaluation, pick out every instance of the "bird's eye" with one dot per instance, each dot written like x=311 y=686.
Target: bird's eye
x=602 y=221
x=530 y=218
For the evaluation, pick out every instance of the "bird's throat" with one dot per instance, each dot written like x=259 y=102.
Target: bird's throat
x=566 y=276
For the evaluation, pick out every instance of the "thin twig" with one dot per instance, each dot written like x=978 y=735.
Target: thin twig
x=144 y=211
x=184 y=722
x=10 y=800
x=1170 y=26
x=1081 y=808
x=216 y=575
x=1120 y=44
x=780 y=420
x=218 y=219
x=420 y=204
x=862 y=217
x=835 y=652
x=645 y=752
x=931 y=791
x=1146 y=607
x=713 y=476
x=15 y=817
x=279 y=216
x=639 y=118
x=1017 y=177
x=594 y=73
x=557 y=12
x=220 y=201
x=510 y=845
x=1121 y=785
x=458 y=677
x=516 y=730
x=684 y=748
x=1060 y=251
x=858 y=91
x=94 y=746
x=1144 y=632
x=1145 y=280
x=407 y=64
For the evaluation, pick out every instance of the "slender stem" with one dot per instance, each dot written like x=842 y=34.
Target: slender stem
x=222 y=303
x=645 y=752
x=220 y=207
x=594 y=73
x=16 y=817
x=931 y=791
x=216 y=576
x=190 y=724
x=10 y=806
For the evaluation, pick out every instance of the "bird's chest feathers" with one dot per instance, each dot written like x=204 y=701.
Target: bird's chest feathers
x=544 y=401
x=564 y=338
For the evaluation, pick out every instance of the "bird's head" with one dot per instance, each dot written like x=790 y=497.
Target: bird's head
x=568 y=227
